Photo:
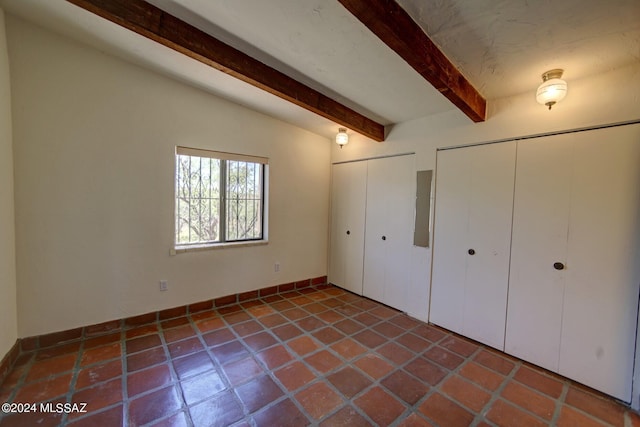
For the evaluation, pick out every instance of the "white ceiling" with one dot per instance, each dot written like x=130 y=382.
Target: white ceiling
x=501 y=46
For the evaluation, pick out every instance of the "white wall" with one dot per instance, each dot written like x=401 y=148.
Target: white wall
x=94 y=141
x=8 y=315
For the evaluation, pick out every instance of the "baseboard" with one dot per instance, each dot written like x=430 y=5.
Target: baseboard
x=68 y=336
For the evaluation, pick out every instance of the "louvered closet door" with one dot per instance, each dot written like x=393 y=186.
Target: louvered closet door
x=474 y=196
x=389 y=229
x=603 y=263
x=348 y=202
x=540 y=226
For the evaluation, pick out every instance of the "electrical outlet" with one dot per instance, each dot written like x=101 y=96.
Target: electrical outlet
x=163 y=285
x=276 y=267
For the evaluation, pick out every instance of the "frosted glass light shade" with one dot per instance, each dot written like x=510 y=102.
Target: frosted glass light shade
x=552 y=90
x=342 y=138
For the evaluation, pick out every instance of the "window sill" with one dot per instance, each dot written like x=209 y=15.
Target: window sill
x=215 y=246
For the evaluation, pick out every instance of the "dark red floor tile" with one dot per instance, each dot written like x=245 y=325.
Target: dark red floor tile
x=145 y=359
x=141 y=331
x=443 y=357
x=179 y=333
x=146 y=342
x=327 y=335
x=397 y=354
x=176 y=420
x=315 y=308
x=219 y=336
x=310 y=323
x=348 y=348
x=229 y=352
x=369 y=338
x=193 y=364
x=286 y=332
x=221 y=410
x=539 y=381
x=388 y=329
x=346 y=417
x=241 y=371
x=274 y=357
x=101 y=354
x=153 y=406
x=282 y=306
x=604 y=409
x=101 y=395
x=415 y=420
x=247 y=328
x=210 y=324
x=40 y=419
x=570 y=417
x=465 y=392
x=44 y=390
x=374 y=366
x=348 y=310
x=259 y=341
x=273 y=320
x=303 y=345
x=294 y=376
x=301 y=300
x=330 y=317
x=380 y=406
x=458 y=345
x=367 y=319
x=505 y=415
x=493 y=361
x=173 y=323
x=405 y=387
x=531 y=400
x=426 y=371
x=295 y=314
x=59 y=350
x=413 y=342
x=51 y=367
x=184 y=347
x=323 y=361
x=258 y=393
x=319 y=400
x=428 y=332
x=201 y=387
x=405 y=322
x=148 y=379
x=260 y=311
x=349 y=381
x=444 y=412
x=98 y=373
x=283 y=414
x=109 y=417
x=482 y=376
x=348 y=326
x=384 y=312
x=235 y=318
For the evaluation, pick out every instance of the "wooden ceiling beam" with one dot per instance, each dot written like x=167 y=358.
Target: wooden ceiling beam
x=161 y=27
x=393 y=25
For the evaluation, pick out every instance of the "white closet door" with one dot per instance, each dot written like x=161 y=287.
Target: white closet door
x=389 y=229
x=603 y=272
x=348 y=203
x=540 y=224
x=474 y=197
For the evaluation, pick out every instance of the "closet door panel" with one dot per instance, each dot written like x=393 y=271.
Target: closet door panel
x=348 y=203
x=389 y=228
x=539 y=239
x=453 y=177
x=489 y=236
x=603 y=272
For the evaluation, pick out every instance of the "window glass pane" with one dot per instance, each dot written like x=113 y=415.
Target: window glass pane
x=244 y=200
x=197 y=199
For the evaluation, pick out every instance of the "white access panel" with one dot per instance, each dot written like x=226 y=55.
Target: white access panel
x=540 y=226
x=389 y=229
x=348 y=203
x=603 y=266
x=474 y=198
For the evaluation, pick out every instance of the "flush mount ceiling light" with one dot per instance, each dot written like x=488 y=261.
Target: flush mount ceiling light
x=342 y=138
x=553 y=89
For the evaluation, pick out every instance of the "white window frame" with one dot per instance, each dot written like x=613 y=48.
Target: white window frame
x=223 y=157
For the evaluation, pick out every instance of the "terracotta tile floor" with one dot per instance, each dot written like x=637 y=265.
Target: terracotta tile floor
x=319 y=356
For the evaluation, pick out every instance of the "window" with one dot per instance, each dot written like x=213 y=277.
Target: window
x=219 y=197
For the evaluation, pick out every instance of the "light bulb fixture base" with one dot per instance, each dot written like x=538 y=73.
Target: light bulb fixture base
x=553 y=89
x=342 y=138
